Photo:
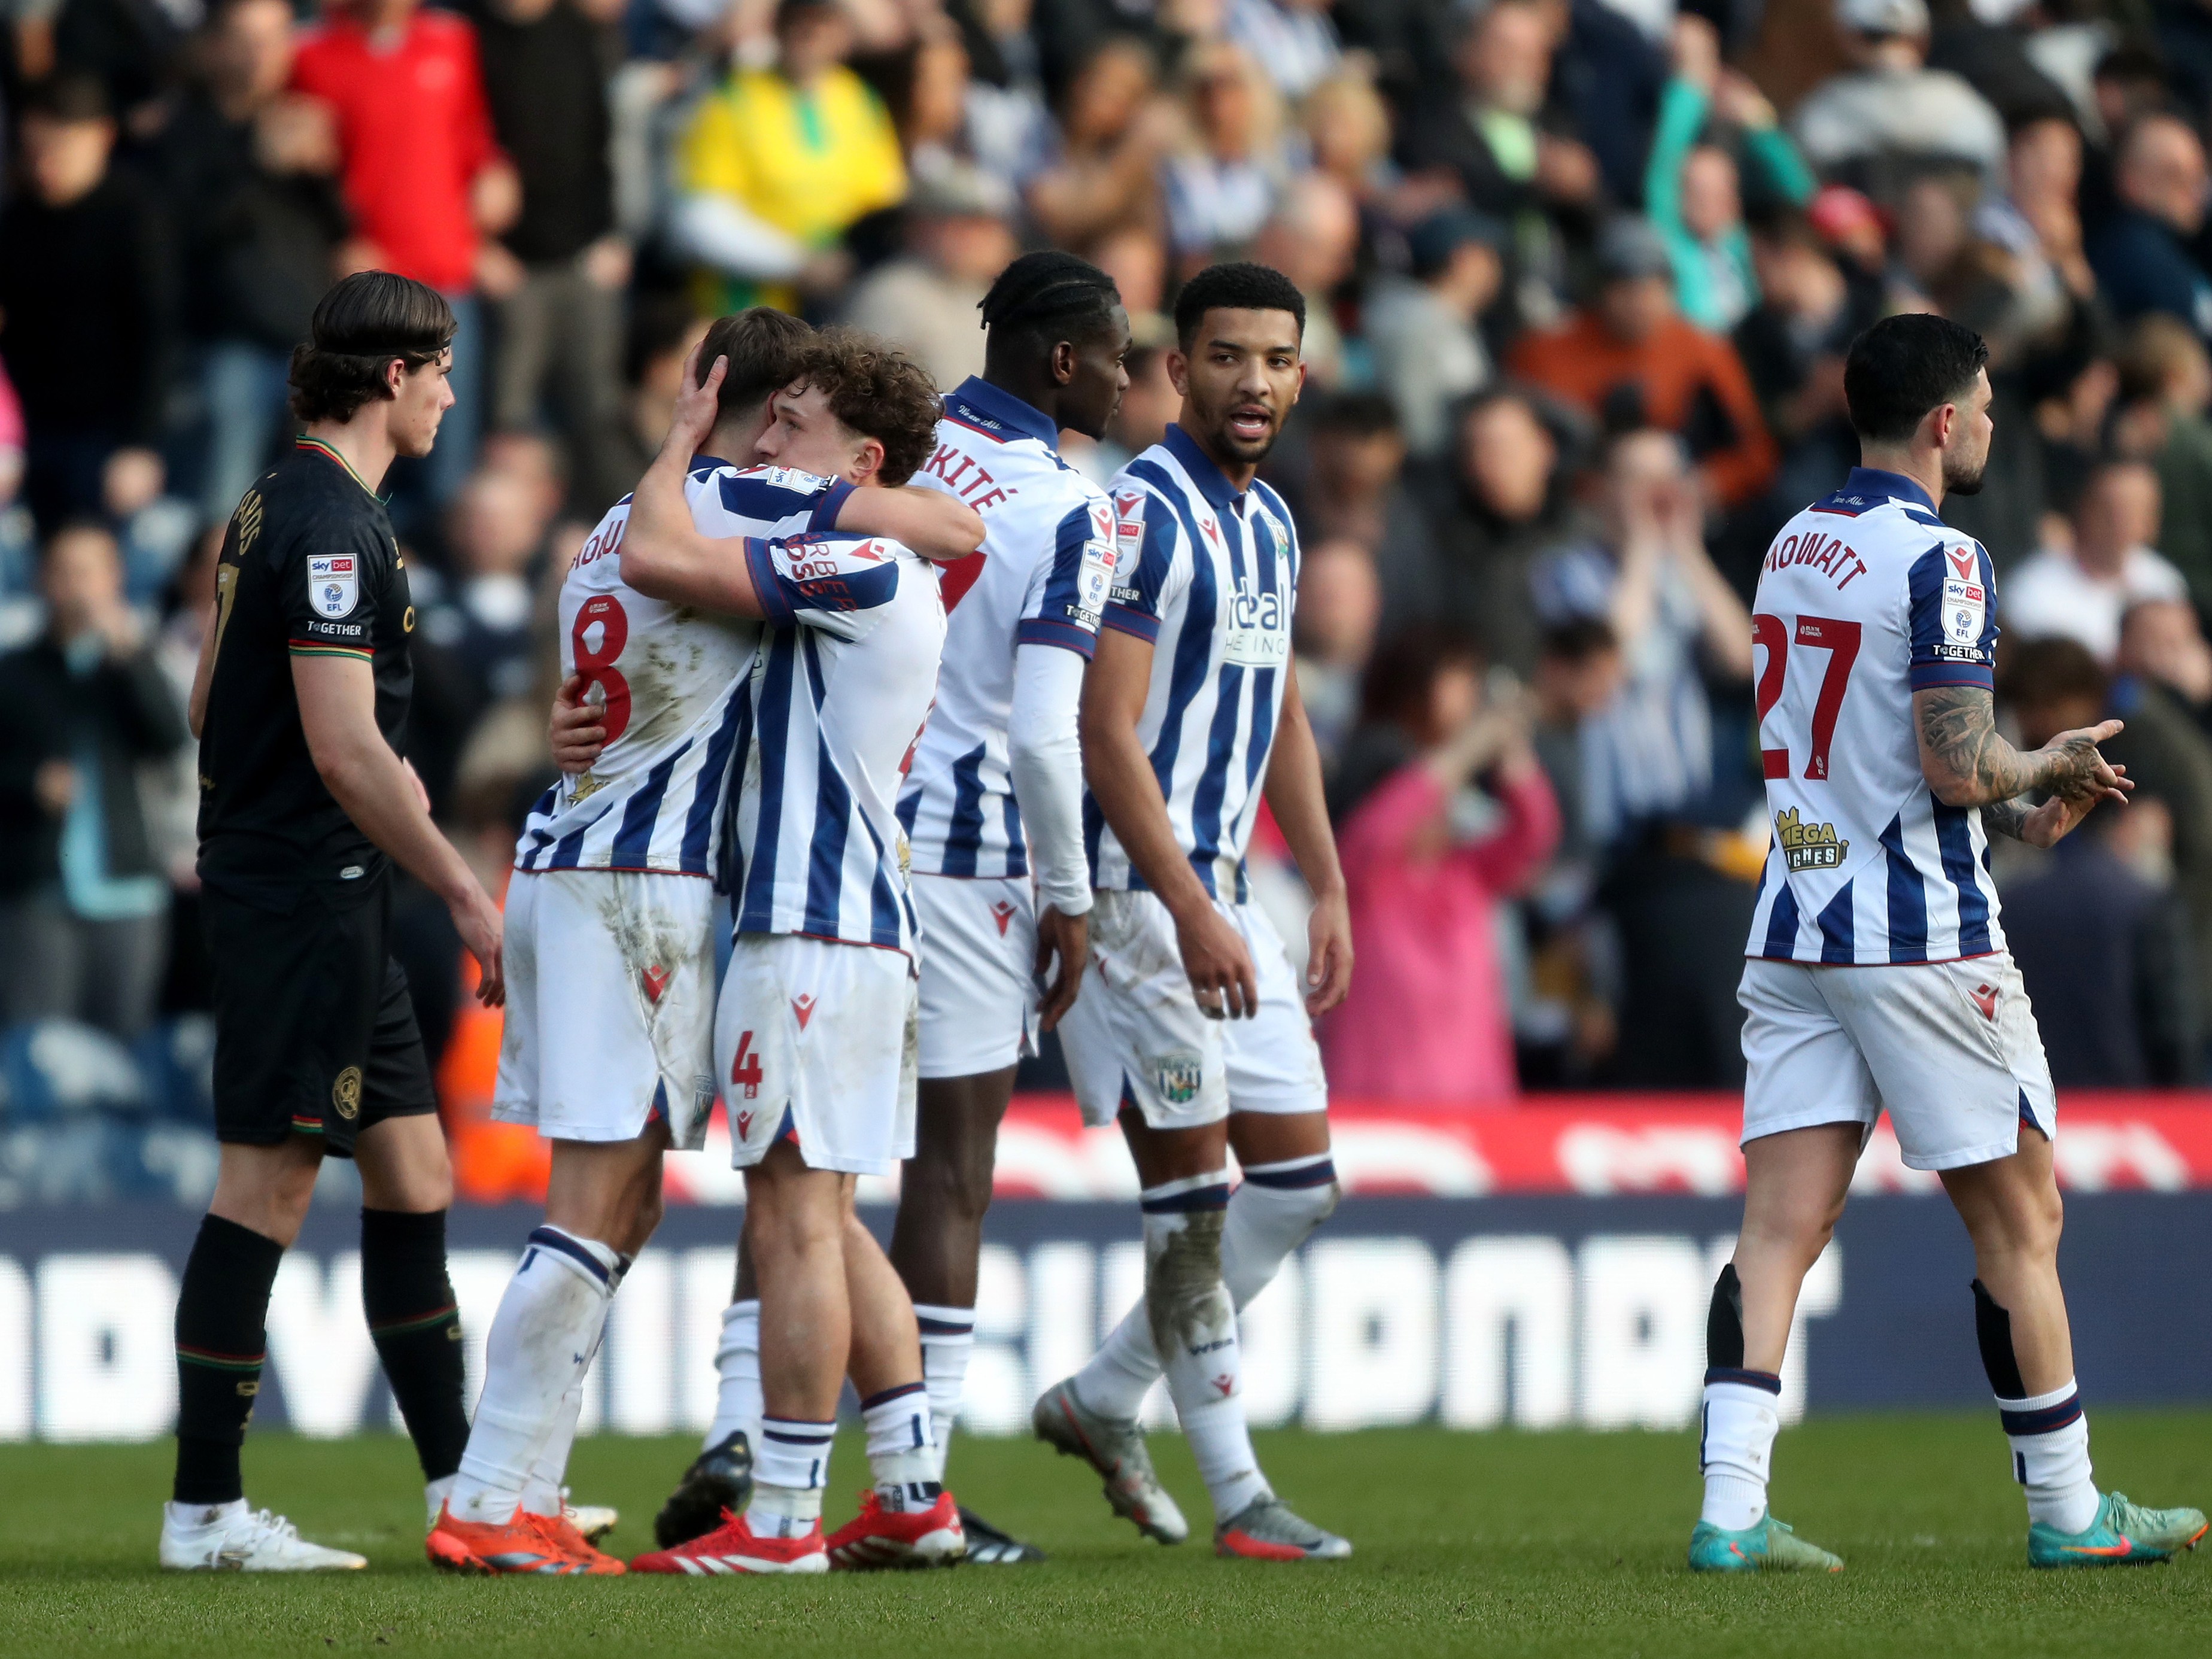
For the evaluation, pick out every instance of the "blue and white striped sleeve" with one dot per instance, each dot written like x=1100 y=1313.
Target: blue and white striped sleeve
x=839 y=584
x=766 y=495
x=1953 y=616
x=1068 y=592
x=1146 y=565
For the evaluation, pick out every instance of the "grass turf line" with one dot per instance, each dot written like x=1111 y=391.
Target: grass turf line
x=1507 y=1544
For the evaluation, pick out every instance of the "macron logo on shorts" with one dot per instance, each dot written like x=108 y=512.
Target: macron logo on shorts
x=804 y=1007
x=1985 y=999
x=1002 y=913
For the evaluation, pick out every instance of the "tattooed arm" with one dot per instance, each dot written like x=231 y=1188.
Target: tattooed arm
x=1967 y=763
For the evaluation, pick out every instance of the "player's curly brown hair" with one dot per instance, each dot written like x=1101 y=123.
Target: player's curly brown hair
x=875 y=390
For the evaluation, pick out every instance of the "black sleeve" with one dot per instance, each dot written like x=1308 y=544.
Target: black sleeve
x=329 y=588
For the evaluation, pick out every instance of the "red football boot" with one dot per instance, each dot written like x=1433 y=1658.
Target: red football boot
x=731 y=1547
x=877 y=1537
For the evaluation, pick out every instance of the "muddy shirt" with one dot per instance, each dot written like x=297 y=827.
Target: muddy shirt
x=667 y=676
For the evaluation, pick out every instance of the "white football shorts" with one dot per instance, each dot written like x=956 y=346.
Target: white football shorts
x=1948 y=1048
x=1136 y=1033
x=818 y=1036
x=610 y=1005
x=979 y=989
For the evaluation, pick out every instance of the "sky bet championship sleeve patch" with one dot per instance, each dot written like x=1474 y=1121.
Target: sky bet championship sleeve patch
x=334 y=584
x=1094 y=579
x=331 y=602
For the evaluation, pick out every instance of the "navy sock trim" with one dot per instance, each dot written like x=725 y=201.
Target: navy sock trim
x=552 y=1238
x=890 y=1395
x=1766 y=1380
x=1200 y=1198
x=944 y=1326
x=1320 y=1173
x=2050 y=1417
x=798 y=1431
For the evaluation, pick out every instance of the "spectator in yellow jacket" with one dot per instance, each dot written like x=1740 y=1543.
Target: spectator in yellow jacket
x=778 y=162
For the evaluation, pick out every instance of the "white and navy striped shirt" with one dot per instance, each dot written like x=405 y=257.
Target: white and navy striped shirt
x=1042 y=579
x=826 y=722
x=667 y=675
x=1210 y=575
x=1866 y=598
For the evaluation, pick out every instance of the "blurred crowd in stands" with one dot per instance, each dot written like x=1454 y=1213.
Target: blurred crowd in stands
x=1580 y=273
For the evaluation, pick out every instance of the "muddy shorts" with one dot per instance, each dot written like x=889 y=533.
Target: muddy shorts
x=610 y=1005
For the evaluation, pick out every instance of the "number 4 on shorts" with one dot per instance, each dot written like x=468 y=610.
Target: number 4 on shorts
x=745 y=1069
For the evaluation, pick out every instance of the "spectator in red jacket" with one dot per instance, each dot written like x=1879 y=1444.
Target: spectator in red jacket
x=423 y=174
x=1630 y=359
x=1427 y=857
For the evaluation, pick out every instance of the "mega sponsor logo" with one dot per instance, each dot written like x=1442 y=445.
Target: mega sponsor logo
x=1808 y=846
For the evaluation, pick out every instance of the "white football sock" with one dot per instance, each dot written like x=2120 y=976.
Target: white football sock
x=791 y=1465
x=1195 y=1322
x=2050 y=1437
x=1274 y=1211
x=948 y=1338
x=901 y=1452
x=737 y=1362
x=1270 y=1215
x=1735 y=1449
x=541 y=1494
x=1114 y=1380
x=545 y=1493
x=191 y=1517
x=539 y=1347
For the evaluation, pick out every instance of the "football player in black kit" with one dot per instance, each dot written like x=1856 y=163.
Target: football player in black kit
x=306 y=806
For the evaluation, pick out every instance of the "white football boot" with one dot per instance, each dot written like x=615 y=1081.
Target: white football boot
x=1115 y=1448
x=593 y=1521
x=230 y=1538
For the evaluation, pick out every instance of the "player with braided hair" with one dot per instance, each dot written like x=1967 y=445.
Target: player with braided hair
x=992 y=811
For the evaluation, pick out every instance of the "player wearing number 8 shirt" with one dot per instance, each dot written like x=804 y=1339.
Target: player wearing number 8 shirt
x=608 y=1045
x=1878 y=978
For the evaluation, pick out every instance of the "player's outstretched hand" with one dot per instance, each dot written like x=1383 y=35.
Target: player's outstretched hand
x=575 y=729
x=2078 y=771
x=1220 y=968
x=1068 y=939
x=1329 y=954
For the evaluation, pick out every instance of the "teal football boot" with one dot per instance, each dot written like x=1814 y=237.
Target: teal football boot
x=1766 y=1546
x=2122 y=1535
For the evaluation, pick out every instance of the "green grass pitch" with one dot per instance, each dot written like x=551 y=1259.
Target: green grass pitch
x=1507 y=1544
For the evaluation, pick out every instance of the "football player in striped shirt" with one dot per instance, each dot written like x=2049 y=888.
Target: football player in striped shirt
x=996 y=783
x=608 y=1044
x=1878 y=978
x=1192 y=1028
x=814 y=1032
